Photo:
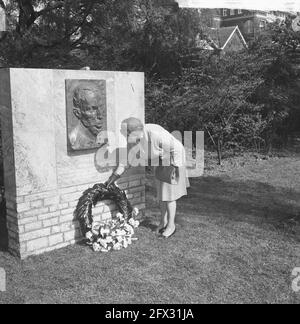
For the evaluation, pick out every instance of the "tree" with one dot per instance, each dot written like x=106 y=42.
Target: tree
x=135 y=35
x=214 y=96
x=40 y=30
x=241 y=100
x=279 y=92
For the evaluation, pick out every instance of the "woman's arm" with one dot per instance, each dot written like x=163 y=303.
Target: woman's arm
x=116 y=175
x=172 y=152
x=119 y=170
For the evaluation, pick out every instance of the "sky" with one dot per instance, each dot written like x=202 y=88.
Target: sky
x=264 y=5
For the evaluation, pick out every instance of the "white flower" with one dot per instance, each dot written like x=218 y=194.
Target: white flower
x=89 y=236
x=113 y=234
x=107 y=231
x=122 y=233
x=120 y=216
x=104 y=231
x=95 y=232
x=103 y=243
x=101 y=231
x=131 y=230
x=131 y=221
x=109 y=239
x=126 y=227
x=96 y=247
x=118 y=232
x=117 y=247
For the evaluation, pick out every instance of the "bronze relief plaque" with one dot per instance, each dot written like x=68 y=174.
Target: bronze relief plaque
x=86 y=113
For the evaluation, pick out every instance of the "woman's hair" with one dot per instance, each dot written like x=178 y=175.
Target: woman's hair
x=133 y=124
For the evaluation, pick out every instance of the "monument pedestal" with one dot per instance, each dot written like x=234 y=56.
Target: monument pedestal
x=43 y=179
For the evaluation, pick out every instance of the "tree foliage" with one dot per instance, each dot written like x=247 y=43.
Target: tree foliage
x=138 y=35
x=248 y=99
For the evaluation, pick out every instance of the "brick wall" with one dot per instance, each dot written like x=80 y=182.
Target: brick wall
x=45 y=221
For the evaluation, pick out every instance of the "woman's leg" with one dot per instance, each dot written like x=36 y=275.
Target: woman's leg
x=164 y=216
x=171 y=209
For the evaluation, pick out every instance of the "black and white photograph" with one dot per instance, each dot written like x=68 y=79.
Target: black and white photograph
x=149 y=154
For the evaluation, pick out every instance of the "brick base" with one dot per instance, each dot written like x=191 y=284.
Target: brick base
x=44 y=222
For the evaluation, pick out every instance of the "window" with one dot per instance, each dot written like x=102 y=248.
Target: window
x=232 y=12
x=262 y=24
x=225 y=12
x=249 y=27
x=240 y=11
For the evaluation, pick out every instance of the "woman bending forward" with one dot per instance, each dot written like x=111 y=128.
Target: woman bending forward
x=162 y=148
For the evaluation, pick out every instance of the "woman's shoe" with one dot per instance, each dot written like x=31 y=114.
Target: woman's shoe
x=167 y=237
x=162 y=230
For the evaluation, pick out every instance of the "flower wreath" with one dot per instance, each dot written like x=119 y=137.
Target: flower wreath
x=113 y=234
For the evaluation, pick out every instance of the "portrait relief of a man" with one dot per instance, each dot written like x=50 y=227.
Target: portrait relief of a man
x=86 y=113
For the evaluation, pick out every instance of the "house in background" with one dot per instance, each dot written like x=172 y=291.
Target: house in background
x=169 y=4
x=226 y=39
x=251 y=23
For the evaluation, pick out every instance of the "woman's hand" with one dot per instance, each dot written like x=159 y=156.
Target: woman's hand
x=111 y=181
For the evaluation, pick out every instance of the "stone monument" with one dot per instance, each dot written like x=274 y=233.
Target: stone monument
x=50 y=120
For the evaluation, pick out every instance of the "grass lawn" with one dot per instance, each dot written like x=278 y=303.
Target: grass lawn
x=238 y=241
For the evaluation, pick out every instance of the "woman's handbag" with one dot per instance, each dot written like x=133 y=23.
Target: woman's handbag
x=168 y=174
